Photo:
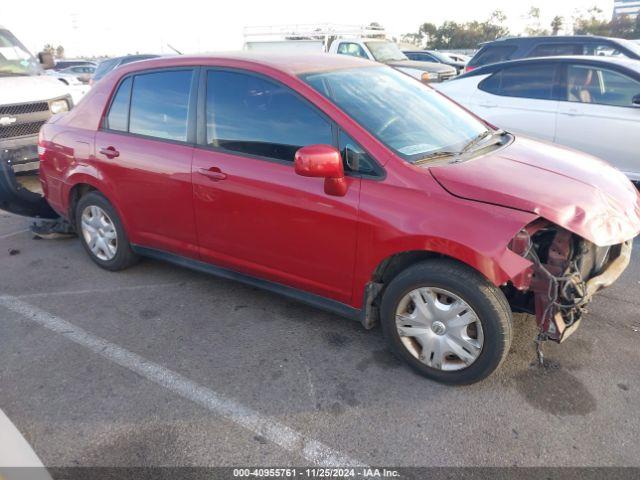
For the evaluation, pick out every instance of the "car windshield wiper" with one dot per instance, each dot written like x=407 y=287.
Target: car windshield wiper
x=435 y=156
x=477 y=140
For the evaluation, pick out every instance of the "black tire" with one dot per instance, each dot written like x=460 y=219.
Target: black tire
x=487 y=301
x=124 y=257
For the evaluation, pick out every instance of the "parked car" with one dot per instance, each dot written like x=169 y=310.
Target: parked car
x=458 y=57
x=527 y=47
x=27 y=99
x=84 y=73
x=106 y=66
x=349 y=186
x=435 y=56
x=64 y=64
x=332 y=40
x=588 y=103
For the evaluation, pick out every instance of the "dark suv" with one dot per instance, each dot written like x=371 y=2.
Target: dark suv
x=525 y=47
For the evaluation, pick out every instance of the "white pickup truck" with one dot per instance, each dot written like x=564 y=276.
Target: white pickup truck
x=27 y=99
x=369 y=45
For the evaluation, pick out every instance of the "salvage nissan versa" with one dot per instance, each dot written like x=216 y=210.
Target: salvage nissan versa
x=346 y=185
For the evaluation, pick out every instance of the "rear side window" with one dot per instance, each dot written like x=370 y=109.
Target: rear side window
x=550 y=50
x=118 y=118
x=420 y=57
x=492 y=54
x=252 y=115
x=160 y=104
x=526 y=81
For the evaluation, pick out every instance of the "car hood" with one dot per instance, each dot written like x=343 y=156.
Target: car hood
x=23 y=89
x=571 y=189
x=424 y=66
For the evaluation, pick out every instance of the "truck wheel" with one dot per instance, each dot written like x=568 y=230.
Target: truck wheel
x=446 y=321
x=102 y=234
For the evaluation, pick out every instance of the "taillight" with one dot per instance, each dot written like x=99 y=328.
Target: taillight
x=468 y=69
x=41 y=145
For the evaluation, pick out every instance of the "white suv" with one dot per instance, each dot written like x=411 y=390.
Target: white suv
x=588 y=103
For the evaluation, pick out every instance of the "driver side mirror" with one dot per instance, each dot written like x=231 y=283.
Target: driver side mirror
x=322 y=161
x=635 y=101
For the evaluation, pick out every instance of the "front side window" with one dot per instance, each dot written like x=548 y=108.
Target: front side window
x=410 y=118
x=160 y=104
x=352 y=49
x=252 y=115
x=526 y=81
x=588 y=84
x=118 y=117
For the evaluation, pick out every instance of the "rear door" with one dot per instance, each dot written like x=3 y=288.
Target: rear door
x=598 y=115
x=254 y=214
x=521 y=99
x=145 y=150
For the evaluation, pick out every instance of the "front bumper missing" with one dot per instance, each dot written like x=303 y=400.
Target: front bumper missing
x=612 y=272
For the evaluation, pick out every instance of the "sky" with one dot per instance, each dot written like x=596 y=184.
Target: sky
x=117 y=27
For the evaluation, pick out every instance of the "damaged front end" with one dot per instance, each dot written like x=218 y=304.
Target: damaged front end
x=566 y=271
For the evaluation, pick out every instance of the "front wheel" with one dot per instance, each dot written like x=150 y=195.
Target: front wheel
x=446 y=321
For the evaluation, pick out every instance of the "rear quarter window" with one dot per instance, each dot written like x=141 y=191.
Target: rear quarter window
x=526 y=81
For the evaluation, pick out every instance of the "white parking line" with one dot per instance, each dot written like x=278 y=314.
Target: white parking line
x=9 y=235
x=107 y=289
x=278 y=433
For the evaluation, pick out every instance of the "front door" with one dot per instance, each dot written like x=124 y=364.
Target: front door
x=253 y=213
x=145 y=154
x=599 y=116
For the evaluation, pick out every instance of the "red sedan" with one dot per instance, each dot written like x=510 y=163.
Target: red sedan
x=347 y=185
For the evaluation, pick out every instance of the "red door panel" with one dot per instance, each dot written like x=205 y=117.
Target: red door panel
x=152 y=181
x=259 y=217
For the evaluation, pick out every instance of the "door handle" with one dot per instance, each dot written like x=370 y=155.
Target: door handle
x=572 y=112
x=489 y=105
x=212 y=173
x=109 y=152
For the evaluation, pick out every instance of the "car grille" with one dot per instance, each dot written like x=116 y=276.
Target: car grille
x=443 y=77
x=20 y=129
x=22 y=108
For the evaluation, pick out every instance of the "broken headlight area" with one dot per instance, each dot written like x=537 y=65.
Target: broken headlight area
x=566 y=271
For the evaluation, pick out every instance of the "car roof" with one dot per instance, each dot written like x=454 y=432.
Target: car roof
x=290 y=63
x=590 y=59
x=549 y=39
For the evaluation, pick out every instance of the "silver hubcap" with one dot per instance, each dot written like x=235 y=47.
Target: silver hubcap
x=439 y=328
x=99 y=233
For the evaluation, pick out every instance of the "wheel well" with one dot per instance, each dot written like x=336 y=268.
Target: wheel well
x=392 y=266
x=77 y=192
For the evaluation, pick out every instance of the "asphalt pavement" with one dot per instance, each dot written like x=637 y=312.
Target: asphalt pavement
x=162 y=366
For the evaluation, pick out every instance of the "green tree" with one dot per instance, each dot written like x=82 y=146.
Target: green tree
x=59 y=51
x=592 y=23
x=534 y=26
x=556 y=24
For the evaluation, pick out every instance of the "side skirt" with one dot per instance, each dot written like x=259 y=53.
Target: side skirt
x=289 y=292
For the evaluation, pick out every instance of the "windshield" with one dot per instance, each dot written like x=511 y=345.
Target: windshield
x=410 y=118
x=15 y=59
x=442 y=57
x=385 y=51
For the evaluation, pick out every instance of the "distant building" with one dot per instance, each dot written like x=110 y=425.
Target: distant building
x=626 y=7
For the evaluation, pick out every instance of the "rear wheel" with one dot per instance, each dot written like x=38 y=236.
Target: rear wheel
x=446 y=321
x=102 y=234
